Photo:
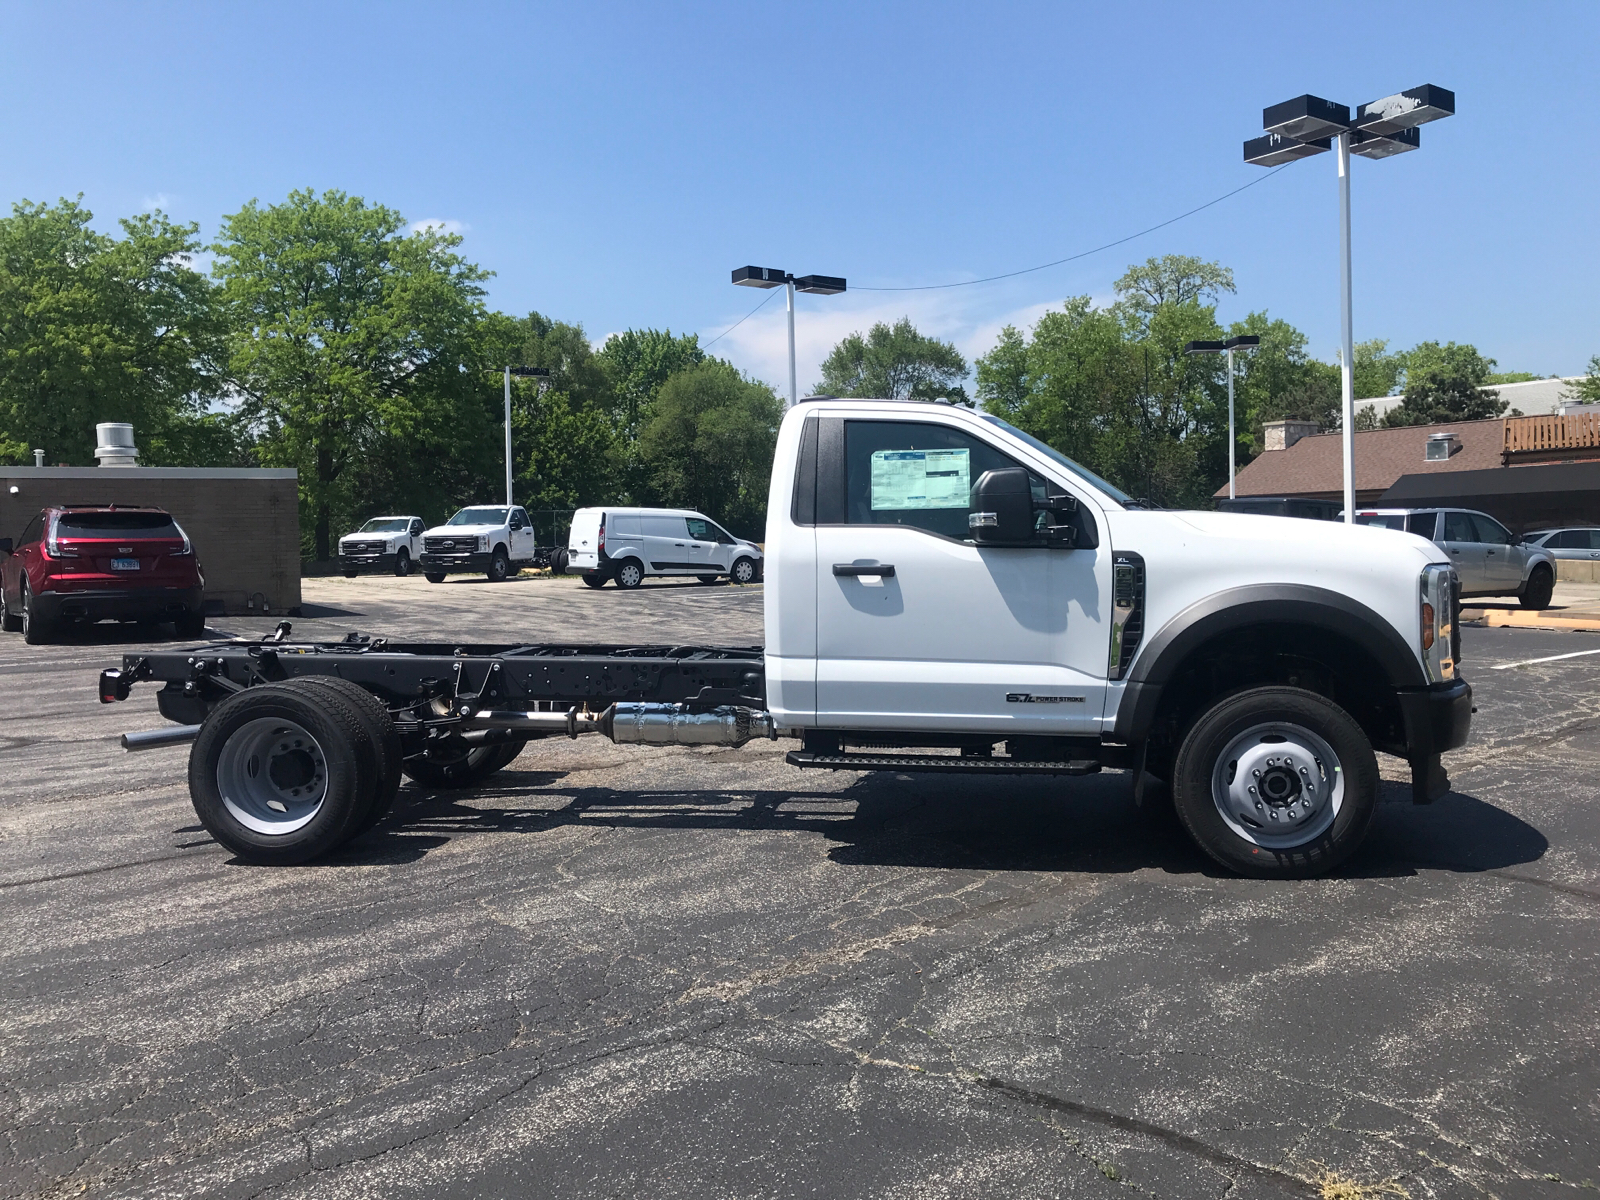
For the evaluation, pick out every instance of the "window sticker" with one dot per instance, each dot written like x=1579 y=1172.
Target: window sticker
x=903 y=479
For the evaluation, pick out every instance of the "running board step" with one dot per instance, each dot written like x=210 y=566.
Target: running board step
x=939 y=762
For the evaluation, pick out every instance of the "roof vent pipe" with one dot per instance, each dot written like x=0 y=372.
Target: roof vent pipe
x=1440 y=446
x=115 y=448
x=38 y=458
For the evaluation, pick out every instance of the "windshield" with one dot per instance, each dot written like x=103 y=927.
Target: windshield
x=1056 y=456
x=385 y=525
x=479 y=516
x=1382 y=520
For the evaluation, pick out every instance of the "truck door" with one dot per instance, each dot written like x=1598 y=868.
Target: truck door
x=948 y=635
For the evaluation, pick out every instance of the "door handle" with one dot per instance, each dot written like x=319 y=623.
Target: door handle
x=847 y=569
x=1489 y=552
x=677 y=543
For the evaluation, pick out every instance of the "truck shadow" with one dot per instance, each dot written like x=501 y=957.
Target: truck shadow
x=1031 y=824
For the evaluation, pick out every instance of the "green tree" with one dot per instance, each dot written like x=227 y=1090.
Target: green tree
x=346 y=332
x=638 y=362
x=95 y=328
x=1377 y=372
x=1279 y=379
x=894 y=362
x=1446 y=383
x=1586 y=389
x=1172 y=280
x=708 y=444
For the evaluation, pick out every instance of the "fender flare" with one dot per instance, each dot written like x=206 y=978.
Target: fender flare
x=1257 y=604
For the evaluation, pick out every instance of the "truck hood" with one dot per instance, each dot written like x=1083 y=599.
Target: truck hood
x=1309 y=538
x=462 y=531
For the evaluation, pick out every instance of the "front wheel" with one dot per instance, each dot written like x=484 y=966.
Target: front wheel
x=433 y=576
x=1540 y=587
x=744 y=571
x=9 y=621
x=1276 y=782
x=402 y=563
x=499 y=567
x=630 y=574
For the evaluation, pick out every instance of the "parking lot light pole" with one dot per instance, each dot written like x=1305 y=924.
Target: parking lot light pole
x=771 y=277
x=1309 y=125
x=1243 y=342
x=538 y=373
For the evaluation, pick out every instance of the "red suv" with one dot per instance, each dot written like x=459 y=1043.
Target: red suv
x=92 y=562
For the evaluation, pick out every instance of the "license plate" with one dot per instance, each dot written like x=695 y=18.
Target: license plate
x=124 y=564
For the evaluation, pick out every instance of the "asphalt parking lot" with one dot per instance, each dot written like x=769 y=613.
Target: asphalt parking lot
x=635 y=971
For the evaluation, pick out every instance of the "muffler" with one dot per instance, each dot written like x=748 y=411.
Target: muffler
x=636 y=724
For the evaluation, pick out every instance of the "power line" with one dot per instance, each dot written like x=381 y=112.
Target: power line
x=750 y=314
x=934 y=287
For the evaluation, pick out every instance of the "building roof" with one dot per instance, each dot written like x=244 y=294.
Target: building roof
x=1315 y=465
x=1536 y=397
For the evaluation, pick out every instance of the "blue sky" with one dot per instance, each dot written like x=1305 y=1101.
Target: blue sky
x=612 y=163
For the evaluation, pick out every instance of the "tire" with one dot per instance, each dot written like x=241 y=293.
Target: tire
x=460 y=765
x=433 y=576
x=374 y=716
x=190 y=625
x=1285 y=738
x=1540 y=587
x=595 y=579
x=9 y=622
x=558 y=561
x=744 y=571
x=499 y=567
x=709 y=578
x=351 y=574
x=256 y=808
x=629 y=573
x=402 y=563
x=36 y=630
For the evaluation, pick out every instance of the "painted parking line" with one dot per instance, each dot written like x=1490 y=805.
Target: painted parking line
x=1528 y=662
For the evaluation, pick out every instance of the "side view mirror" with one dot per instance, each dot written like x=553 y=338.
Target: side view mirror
x=1002 y=509
x=5 y=545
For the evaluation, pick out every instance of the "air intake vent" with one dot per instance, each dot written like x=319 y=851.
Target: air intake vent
x=1127 y=620
x=1441 y=446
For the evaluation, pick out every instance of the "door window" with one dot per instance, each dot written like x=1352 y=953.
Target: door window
x=1424 y=524
x=1568 y=539
x=699 y=528
x=911 y=473
x=1458 y=527
x=1490 y=530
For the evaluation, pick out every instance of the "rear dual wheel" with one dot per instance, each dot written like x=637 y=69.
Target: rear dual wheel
x=286 y=772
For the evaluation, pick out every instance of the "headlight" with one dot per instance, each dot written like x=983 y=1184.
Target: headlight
x=1439 y=639
x=483 y=543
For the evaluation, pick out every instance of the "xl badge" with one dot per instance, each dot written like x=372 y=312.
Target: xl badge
x=1030 y=698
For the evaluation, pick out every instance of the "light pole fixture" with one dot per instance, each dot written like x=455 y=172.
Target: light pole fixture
x=1243 y=341
x=771 y=277
x=1309 y=125
x=541 y=373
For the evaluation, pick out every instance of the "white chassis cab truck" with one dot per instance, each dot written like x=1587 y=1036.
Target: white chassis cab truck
x=944 y=594
x=382 y=544
x=492 y=539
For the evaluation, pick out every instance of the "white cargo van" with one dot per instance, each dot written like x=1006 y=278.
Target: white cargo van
x=629 y=544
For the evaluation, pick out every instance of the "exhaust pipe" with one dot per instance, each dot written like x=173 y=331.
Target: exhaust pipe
x=637 y=724
x=153 y=739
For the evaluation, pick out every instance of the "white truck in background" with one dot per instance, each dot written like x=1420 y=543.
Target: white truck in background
x=382 y=544
x=944 y=594
x=494 y=540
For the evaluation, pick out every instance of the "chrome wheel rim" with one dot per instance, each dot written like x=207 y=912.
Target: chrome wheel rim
x=27 y=609
x=273 y=776
x=630 y=576
x=1278 y=786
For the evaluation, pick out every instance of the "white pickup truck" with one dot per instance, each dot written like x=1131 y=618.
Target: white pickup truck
x=493 y=539
x=944 y=594
x=382 y=544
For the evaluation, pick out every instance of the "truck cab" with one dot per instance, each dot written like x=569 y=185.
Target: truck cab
x=382 y=544
x=496 y=540
x=938 y=578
